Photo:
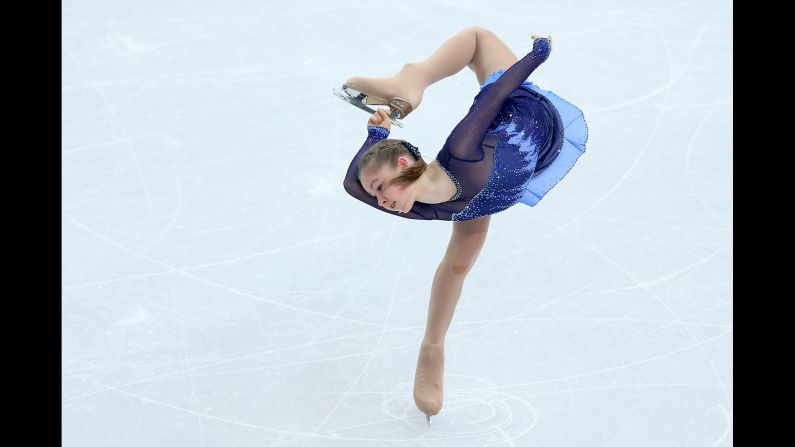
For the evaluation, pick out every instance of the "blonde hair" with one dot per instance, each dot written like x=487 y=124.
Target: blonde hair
x=386 y=152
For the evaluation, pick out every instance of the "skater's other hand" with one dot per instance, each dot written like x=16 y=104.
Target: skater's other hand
x=549 y=38
x=380 y=118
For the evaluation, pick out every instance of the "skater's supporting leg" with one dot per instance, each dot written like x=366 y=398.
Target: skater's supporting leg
x=462 y=251
x=465 y=244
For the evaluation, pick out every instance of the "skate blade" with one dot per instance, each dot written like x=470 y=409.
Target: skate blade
x=358 y=99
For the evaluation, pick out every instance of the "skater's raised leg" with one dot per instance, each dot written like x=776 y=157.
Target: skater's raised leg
x=477 y=48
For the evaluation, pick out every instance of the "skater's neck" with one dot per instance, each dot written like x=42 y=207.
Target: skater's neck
x=434 y=186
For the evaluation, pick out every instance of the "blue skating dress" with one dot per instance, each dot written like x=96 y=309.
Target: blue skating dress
x=515 y=143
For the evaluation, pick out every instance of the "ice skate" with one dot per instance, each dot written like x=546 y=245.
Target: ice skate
x=402 y=92
x=429 y=380
x=359 y=99
x=397 y=104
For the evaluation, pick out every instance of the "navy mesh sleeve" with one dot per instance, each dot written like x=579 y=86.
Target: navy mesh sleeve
x=465 y=140
x=355 y=188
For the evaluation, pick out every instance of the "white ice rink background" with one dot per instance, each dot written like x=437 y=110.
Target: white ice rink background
x=220 y=288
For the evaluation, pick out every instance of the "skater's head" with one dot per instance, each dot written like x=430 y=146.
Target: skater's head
x=389 y=171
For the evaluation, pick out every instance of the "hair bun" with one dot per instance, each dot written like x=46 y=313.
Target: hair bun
x=413 y=149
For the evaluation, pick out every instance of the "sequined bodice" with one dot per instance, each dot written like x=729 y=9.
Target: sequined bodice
x=454 y=180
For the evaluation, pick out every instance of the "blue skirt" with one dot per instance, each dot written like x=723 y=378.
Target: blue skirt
x=575 y=134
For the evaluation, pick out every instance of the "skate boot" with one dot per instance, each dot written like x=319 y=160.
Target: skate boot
x=402 y=92
x=429 y=379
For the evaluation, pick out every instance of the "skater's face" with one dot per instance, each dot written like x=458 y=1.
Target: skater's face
x=391 y=197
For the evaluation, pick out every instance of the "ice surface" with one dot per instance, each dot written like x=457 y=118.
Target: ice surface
x=220 y=288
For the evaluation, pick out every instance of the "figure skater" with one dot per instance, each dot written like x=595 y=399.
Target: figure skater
x=514 y=144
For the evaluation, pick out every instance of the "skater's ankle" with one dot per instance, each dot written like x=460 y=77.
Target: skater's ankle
x=419 y=73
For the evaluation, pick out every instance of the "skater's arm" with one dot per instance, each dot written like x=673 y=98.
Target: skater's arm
x=354 y=187
x=374 y=135
x=464 y=141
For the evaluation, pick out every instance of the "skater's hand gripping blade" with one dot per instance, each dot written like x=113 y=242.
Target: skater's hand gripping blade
x=356 y=99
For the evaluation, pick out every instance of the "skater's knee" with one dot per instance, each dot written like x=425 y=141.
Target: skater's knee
x=460 y=268
x=456 y=265
x=463 y=251
x=480 y=30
